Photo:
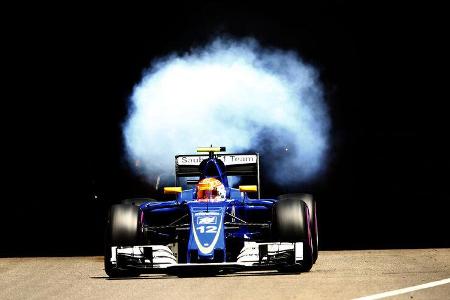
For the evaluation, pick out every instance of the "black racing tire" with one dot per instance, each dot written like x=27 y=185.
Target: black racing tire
x=312 y=207
x=291 y=223
x=121 y=230
x=137 y=201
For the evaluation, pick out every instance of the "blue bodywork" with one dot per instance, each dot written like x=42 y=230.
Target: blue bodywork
x=207 y=231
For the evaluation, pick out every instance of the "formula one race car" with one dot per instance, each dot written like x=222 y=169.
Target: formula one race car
x=212 y=228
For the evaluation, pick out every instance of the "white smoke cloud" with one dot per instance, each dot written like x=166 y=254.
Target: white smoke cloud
x=235 y=94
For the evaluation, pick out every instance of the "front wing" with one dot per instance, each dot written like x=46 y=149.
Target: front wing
x=163 y=259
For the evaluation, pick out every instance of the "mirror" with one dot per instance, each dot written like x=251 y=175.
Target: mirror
x=172 y=190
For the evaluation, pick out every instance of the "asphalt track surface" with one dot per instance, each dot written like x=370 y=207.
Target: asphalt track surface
x=336 y=275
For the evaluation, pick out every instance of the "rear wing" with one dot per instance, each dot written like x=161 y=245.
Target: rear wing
x=236 y=165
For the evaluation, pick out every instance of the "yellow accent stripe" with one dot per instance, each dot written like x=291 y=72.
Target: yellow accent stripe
x=208 y=149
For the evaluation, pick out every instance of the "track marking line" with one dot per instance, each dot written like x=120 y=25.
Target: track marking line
x=405 y=290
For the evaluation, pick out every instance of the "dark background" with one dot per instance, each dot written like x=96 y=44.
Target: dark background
x=68 y=72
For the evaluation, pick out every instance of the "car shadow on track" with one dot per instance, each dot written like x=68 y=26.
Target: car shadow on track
x=134 y=278
x=190 y=275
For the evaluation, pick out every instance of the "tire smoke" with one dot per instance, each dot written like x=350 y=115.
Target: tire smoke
x=235 y=94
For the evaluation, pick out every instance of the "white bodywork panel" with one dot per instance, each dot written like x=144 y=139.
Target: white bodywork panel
x=162 y=255
x=250 y=251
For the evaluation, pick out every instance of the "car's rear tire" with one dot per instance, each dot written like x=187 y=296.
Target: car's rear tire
x=121 y=230
x=311 y=203
x=291 y=223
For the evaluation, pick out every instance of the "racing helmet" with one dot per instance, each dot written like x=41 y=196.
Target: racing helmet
x=210 y=189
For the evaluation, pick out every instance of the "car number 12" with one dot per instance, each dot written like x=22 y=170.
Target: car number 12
x=207 y=229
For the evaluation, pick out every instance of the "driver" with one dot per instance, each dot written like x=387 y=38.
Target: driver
x=210 y=189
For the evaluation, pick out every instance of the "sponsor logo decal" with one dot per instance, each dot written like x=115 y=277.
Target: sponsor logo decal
x=207 y=220
x=238 y=159
x=207 y=213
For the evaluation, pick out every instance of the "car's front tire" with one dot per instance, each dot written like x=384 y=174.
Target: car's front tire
x=291 y=223
x=311 y=203
x=121 y=230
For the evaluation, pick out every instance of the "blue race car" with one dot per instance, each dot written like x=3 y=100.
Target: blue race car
x=212 y=227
